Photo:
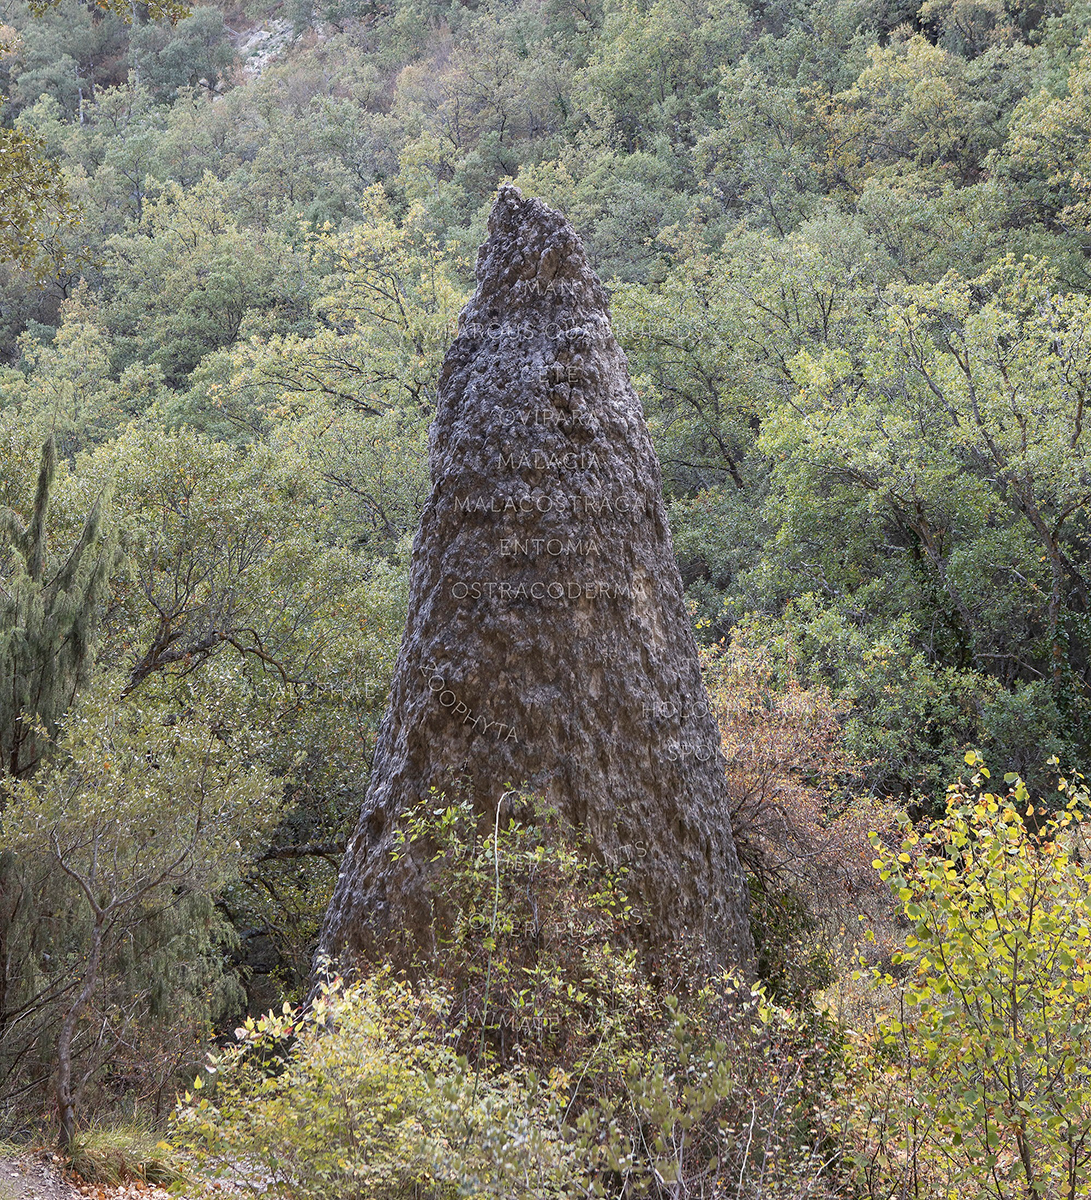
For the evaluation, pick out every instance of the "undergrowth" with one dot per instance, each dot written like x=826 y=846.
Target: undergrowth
x=532 y=1058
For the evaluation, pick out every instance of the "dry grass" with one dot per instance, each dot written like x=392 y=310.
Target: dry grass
x=118 y=1154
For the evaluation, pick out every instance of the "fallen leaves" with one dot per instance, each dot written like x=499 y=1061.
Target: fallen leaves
x=136 y=1190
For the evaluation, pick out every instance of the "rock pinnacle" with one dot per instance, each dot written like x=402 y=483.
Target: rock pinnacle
x=547 y=647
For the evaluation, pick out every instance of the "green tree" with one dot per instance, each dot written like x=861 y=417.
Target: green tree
x=67 y=388
x=388 y=315
x=33 y=197
x=1045 y=158
x=48 y=613
x=919 y=109
x=181 y=283
x=655 y=66
x=243 y=589
x=765 y=154
x=680 y=338
x=938 y=469
x=31 y=193
x=141 y=813
x=195 y=51
x=68 y=52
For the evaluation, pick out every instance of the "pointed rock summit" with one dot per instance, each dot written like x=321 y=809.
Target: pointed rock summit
x=547 y=643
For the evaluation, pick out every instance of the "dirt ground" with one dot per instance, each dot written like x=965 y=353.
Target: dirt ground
x=38 y=1177
x=33 y=1177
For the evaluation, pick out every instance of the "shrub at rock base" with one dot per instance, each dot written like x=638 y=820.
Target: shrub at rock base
x=599 y=1085
x=360 y=1098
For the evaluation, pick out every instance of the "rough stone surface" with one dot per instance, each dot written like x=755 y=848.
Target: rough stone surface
x=547 y=642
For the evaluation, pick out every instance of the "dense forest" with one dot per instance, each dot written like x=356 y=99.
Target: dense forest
x=847 y=245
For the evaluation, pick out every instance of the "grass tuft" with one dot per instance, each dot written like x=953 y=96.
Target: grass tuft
x=117 y=1154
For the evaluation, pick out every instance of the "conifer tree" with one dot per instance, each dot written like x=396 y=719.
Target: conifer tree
x=47 y=620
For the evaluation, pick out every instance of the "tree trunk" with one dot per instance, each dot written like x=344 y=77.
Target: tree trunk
x=64 y=1091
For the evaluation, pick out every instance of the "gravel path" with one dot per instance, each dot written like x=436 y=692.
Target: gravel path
x=34 y=1177
x=38 y=1177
